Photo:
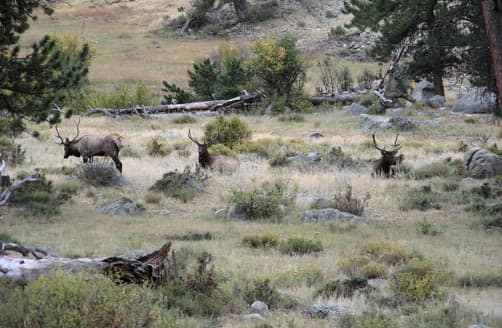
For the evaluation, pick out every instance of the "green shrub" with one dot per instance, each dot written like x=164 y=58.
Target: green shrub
x=11 y=152
x=70 y=187
x=362 y=266
x=38 y=199
x=260 y=290
x=300 y=246
x=426 y=228
x=261 y=12
x=271 y=200
x=445 y=168
x=152 y=197
x=342 y=288
x=269 y=240
x=157 y=146
x=7 y=238
x=332 y=155
x=422 y=199
x=387 y=254
x=450 y=315
x=418 y=281
x=221 y=149
x=182 y=185
x=373 y=270
x=344 y=201
x=184 y=119
x=336 y=32
x=229 y=132
x=70 y=300
x=480 y=280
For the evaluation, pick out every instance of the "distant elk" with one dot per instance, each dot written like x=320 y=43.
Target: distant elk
x=386 y=165
x=212 y=160
x=89 y=146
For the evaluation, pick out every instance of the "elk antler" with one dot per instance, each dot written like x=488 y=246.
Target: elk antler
x=374 y=143
x=59 y=135
x=396 y=145
x=78 y=131
x=193 y=140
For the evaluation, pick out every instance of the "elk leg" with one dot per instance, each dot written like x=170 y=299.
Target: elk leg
x=118 y=163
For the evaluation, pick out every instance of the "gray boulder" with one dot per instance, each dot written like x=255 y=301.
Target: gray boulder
x=482 y=163
x=260 y=308
x=355 y=109
x=324 y=311
x=436 y=101
x=395 y=112
x=370 y=122
x=424 y=90
x=123 y=206
x=474 y=104
x=310 y=158
x=331 y=215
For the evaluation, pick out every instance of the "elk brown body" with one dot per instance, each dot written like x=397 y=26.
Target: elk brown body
x=89 y=146
x=206 y=159
x=386 y=165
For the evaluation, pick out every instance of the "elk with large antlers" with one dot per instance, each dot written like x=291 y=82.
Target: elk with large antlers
x=89 y=146
x=212 y=160
x=386 y=165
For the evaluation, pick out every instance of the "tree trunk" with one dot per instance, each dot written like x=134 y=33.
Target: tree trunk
x=492 y=14
x=155 y=268
x=437 y=79
x=241 y=7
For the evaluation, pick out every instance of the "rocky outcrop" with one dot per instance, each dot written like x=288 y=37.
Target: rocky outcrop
x=424 y=90
x=474 y=104
x=123 y=206
x=482 y=163
x=370 y=122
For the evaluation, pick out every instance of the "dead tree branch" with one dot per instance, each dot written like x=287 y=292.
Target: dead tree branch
x=7 y=192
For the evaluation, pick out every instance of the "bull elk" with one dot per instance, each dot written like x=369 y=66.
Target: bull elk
x=89 y=146
x=212 y=160
x=386 y=165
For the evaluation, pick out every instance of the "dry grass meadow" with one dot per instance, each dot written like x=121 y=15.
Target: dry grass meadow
x=127 y=52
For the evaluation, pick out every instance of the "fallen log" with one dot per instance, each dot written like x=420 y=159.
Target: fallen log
x=336 y=99
x=155 y=268
x=212 y=105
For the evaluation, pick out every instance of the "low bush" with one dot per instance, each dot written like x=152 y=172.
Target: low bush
x=267 y=147
x=270 y=201
x=480 y=280
x=291 y=118
x=260 y=289
x=7 y=238
x=334 y=156
x=362 y=266
x=445 y=168
x=300 y=246
x=184 y=119
x=418 y=281
x=346 y=202
x=70 y=187
x=423 y=198
x=221 y=149
x=128 y=151
x=193 y=236
x=229 y=132
x=269 y=240
x=182 y=185
x=38 y=199
x=342 y=288
x=387 y=254
x=308 y=276
x=99 y=173
x=70 y=300
x=152 y=197
x=157 y=146
x=426 y=228
x=336 y=32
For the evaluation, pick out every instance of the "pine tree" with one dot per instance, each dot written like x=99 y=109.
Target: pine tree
x=439 y=36
x=30 y=83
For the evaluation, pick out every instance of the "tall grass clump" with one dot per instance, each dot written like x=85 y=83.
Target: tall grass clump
x=445 y=168
x=423 y=198
x=300 y=246
x=271 y=200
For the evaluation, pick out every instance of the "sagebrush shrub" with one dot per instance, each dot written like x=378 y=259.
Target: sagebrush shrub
x=229 y=132
x=342 y=288
x=99 y=173
x=300 y=246
x=157 y=146
x=182 y=185
x=265 y=241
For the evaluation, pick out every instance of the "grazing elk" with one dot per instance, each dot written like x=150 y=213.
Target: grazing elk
x=89 y=146
x=386 y=165
x=212 y=160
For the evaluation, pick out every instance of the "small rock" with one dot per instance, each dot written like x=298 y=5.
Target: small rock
x=356 y=109
x=330 y=214
x=324 y=311
x=260 y=308
x=316 y=135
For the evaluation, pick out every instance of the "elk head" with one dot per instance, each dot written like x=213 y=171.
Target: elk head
x=205 y=158
x=386 y=164
x=68 y=149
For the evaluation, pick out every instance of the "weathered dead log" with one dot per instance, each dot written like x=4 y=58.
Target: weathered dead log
x=155 y=268
x=336 y=99
x=212 y=105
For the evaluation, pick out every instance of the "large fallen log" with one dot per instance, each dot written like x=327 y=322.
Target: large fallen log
x=155 y=268
x=336 y=99
x=212 y=105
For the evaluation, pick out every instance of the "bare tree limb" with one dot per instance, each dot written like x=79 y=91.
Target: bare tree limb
x=7 y=192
